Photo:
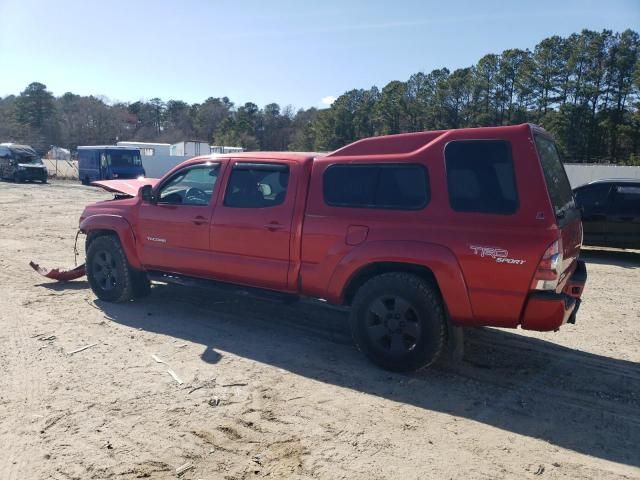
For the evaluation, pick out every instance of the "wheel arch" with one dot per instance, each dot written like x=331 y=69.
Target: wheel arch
x=433 y=263
x=100 y=225
x=367 y=272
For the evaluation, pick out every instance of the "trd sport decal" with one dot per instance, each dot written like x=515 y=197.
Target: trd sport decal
x=500 y=255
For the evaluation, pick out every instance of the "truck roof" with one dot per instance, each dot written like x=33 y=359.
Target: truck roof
x=399 y=144
x=295 y=156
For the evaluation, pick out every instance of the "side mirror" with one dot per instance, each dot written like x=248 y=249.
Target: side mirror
x=146 y=194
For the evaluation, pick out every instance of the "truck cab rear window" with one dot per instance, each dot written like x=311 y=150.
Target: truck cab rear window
x=390 y=186
x=480 y=177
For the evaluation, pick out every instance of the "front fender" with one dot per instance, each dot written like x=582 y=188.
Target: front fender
x=121 y=227
x=440 y=260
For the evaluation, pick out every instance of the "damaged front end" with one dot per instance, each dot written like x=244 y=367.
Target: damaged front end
x=123 y=190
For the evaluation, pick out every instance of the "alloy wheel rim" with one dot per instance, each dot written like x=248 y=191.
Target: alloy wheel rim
x=393 y=325
x=105 y=270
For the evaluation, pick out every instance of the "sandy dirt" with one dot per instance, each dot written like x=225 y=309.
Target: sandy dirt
x=279 y=391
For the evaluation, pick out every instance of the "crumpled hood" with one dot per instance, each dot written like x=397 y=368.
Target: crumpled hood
x=128 y=187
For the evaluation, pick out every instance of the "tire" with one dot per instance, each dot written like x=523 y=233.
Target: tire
x=85 y=181
x=398 y=322
x=141 y=284
x=108 y=271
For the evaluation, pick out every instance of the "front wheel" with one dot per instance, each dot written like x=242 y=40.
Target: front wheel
x=398 y=322
x=108 y=271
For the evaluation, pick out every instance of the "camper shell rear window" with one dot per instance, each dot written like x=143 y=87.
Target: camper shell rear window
x=555 y=176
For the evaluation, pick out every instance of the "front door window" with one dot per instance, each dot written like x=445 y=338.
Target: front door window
x=192 y=186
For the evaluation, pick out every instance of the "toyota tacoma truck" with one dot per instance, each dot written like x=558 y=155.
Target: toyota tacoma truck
x=416 y=233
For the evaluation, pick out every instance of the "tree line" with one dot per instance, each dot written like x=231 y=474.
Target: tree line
x=584 y=89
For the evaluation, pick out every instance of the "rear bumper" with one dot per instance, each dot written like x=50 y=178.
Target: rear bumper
x=545 y=311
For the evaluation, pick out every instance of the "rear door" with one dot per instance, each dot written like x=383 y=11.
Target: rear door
x=623 y=216
x=561 y=196
x=251 y=231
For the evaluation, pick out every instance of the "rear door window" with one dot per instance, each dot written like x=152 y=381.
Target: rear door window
x=555 y=176
x=480 y=177
x=257 y=185
x=391 y=186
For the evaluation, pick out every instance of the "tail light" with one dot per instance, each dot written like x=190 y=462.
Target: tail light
x=549 y=268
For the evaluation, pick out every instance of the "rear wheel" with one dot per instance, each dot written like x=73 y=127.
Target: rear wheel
x=108 y=271
x=398 y=322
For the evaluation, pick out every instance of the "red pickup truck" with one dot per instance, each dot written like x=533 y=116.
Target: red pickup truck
x=414 y=232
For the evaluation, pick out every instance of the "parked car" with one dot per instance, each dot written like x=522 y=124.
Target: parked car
x=21 y=163
x=610 y=212
x=414 y=232
x=108 y=162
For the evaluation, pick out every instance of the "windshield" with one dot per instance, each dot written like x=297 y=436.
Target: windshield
x=25 y=157
x=126 y=158
x=555 y=176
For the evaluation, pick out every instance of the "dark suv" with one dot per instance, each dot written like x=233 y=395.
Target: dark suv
x=20 y=163
x=610 y=212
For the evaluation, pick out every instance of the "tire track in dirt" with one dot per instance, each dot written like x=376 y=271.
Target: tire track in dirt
x=27 y=392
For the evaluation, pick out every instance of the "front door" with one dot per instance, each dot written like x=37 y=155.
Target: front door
x=251 y=231
x=174 y=230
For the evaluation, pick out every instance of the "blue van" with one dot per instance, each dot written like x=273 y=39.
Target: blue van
x=108 y=163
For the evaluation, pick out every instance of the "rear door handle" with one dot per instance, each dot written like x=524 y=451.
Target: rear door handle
x=199 y=220
x=273 y=226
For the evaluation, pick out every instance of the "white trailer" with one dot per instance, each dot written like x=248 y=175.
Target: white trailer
x=190 y=148
x=148 y=149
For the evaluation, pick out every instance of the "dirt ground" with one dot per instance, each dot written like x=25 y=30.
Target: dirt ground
x=279 y=391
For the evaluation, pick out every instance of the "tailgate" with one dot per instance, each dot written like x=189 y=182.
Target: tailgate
x=561 y=196
x=571 y=234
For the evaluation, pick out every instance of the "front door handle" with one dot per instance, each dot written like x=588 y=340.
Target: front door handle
x=273 y=226
x=199 y=220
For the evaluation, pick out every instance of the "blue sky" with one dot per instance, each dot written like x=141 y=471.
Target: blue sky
x=289 y=52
